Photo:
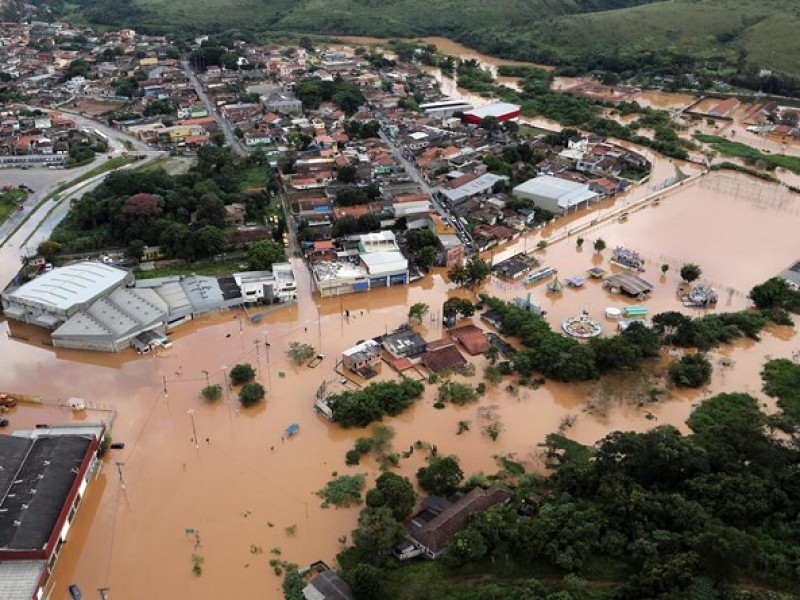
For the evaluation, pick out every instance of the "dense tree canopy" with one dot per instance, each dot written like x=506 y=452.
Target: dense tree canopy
x=362 y=407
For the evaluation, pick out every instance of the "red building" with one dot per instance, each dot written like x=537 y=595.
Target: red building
x=502 y=111
x=43 y=479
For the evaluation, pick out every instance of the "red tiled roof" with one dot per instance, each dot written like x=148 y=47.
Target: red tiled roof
x=472 y=338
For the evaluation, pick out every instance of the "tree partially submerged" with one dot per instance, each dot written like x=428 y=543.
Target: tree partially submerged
x=242 y=373
x=299 y=352
x=361 y=407
x=251 y=394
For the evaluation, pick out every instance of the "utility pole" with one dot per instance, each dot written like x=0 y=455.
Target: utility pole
x=119 y=470
x=208 y=382
x=190 y=412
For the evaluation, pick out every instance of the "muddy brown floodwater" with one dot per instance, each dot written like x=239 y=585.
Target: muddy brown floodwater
x=241 y=495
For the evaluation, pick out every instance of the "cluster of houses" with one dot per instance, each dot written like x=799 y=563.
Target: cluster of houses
x=342 y=186
x=405 y=350
x=38 y=137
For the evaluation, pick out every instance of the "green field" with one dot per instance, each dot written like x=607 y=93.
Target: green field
x=749 y=154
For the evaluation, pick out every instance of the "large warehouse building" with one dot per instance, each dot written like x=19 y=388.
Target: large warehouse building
x=92 y=306
x=53 y=297
x=502 y=111
x=559 y=196
x=44 y=474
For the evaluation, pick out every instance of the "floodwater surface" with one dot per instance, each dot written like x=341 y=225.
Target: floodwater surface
x=248 y=493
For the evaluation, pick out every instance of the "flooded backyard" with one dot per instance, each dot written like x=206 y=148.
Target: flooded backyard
x=246 y=491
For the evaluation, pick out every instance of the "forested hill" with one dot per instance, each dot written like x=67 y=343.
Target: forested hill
x=723 y=35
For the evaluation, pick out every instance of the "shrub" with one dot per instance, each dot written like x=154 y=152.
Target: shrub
x=692 y=370
x=343 y=491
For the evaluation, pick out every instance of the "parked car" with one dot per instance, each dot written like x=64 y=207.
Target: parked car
x=75 y=592
x=7 y=402
x=3 y=422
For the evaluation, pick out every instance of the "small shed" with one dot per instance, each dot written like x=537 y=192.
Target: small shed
x=629 y=284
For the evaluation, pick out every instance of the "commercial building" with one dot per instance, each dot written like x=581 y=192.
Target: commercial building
x=44 y=474
x=268 y=286
x=559 y=196
x=502 y=111
x=441 y=109
x=476 y=187
x=93 y=306
x=53 y=297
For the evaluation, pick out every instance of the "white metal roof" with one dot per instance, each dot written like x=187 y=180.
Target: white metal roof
x=383 y=263
x=19 y=578
x=566 y=193
x=64 y=287
x=496 y=109
x=477 y=186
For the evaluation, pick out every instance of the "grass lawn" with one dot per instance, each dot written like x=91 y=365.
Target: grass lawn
x=205 y=267
x=527 y=131
x=254 y=177
x=748 y=153
x=8 y=202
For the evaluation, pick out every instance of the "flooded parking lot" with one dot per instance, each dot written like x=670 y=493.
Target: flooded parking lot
x=243 y=487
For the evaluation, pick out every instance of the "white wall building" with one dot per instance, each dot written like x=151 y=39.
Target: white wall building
x=559 y=196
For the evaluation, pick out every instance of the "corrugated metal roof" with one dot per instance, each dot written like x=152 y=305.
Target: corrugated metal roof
x=64 y=287
x=19 y=578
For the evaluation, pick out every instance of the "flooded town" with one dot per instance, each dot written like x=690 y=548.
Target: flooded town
x=359 y=217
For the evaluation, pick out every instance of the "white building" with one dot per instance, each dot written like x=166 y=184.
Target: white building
x=276 y=285
x=53 y=297
x=559 y=196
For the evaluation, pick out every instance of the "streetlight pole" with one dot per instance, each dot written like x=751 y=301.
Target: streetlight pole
x=227 y=392
x=190 y=412
x=208 y=382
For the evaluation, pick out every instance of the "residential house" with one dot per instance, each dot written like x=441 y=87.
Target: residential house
x=442 y=356
x=472 y=338
x=432 y=529
x=362 y=358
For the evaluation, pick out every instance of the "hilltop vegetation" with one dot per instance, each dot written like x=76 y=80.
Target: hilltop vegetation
x=720 y=36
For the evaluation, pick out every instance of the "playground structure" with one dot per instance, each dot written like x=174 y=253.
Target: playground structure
x=700 y=296
x=627 y=259
x=539 y=275
x=582 y=326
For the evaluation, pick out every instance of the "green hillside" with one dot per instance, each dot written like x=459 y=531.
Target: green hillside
x=613 y=34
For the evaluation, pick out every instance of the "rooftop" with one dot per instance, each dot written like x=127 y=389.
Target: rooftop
x=566 y=193
x=496 y=109
x=43 y=471
x=65 y=287
x=20 y=578
x=478 y=185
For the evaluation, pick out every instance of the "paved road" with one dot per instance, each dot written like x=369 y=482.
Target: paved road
x=41 y=223
x=230 y=138
x=412 y=171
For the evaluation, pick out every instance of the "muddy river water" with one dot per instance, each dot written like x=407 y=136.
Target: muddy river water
x=244 y=485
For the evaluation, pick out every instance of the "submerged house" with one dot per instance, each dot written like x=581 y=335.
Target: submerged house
x=432 y=529
x=362 y=358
